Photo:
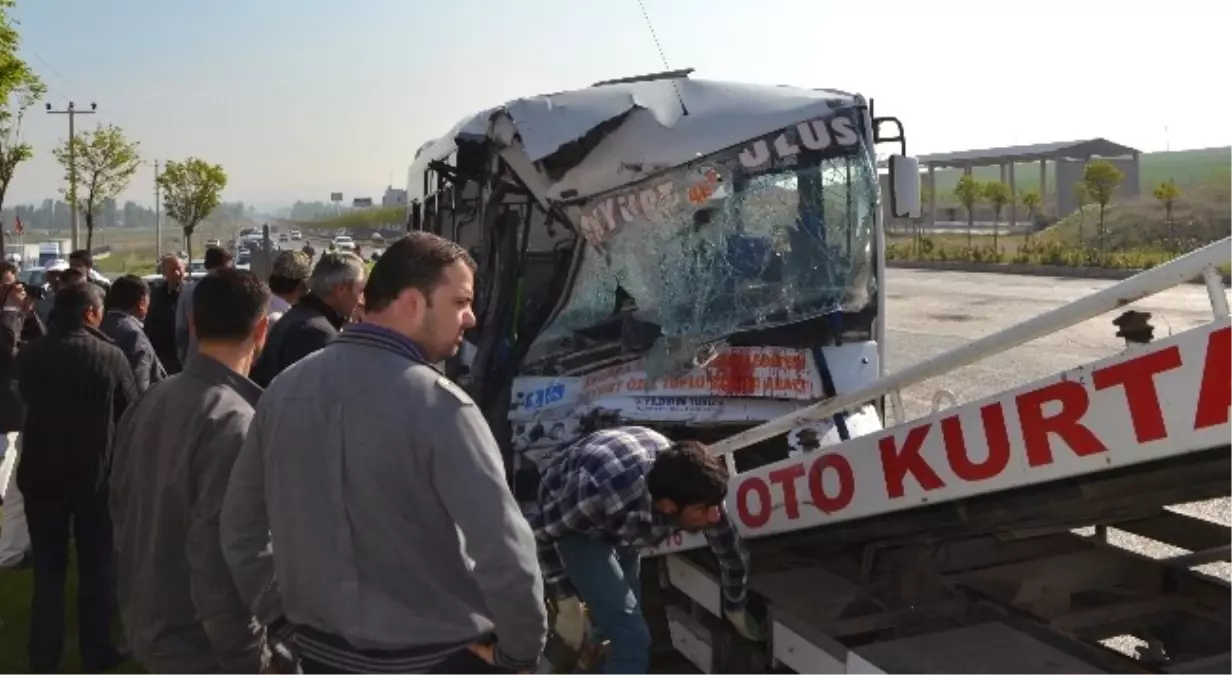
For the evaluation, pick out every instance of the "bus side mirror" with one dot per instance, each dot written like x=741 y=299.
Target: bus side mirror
x=904 y=186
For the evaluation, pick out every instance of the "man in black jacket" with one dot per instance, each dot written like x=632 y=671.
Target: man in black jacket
x=160 y=322
x=18 y=325
x=334 y=292
x=76 y=384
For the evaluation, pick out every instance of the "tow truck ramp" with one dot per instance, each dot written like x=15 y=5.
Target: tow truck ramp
x=977 y=539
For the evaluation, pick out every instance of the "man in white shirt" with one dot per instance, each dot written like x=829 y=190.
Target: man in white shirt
x=288 y=281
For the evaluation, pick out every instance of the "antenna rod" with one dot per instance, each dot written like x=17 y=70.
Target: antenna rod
x=658 y=46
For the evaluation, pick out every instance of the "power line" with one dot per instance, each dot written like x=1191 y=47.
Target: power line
x=662 y=56
x=72 y=113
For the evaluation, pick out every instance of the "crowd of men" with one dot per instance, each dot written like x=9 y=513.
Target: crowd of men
x=176 y=432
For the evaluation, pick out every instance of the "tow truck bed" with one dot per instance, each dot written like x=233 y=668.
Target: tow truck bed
x=1000 y=583
x=974 y=540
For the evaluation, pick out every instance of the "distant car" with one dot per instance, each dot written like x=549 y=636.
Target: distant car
x=212 y=242
x=196 y=268
x=296 y=235
x=344 y=242
x=376 y=236
x=284 y=237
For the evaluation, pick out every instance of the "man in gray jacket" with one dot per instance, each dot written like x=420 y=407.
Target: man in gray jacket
x=399 y=548
x=173 y=457
x=127 y=303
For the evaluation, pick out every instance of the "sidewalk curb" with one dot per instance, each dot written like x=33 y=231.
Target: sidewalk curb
x=1025 y=270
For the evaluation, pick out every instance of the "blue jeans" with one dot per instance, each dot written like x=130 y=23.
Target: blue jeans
x=608 y=580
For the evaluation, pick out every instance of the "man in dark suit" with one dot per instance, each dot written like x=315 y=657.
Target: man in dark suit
x=160 y=322
x=335 y=290
x=127 y=304
x=76 y=384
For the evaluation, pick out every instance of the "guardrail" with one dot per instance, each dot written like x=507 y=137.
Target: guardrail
x=1203 y=262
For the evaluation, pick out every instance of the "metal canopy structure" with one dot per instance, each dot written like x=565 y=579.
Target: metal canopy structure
x=1095 y=147
x=1067 y=157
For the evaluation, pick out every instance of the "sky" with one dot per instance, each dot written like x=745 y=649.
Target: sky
x=300 y=98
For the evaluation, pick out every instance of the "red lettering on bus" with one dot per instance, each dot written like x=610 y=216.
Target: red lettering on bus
x=1066 y=423
x=1137 y=378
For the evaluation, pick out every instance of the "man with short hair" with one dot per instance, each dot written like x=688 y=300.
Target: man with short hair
x=83 y=262
x=174 y=454
x=127 y=304
x=288 y=282
x=438 y=563
x=160 y=322
x=215 y=259
x=53 y=277
x=605 y=497
x=19 y=325
x=335 y=290
x=76 y=385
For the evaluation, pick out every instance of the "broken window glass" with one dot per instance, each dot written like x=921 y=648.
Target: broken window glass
x=773 y=232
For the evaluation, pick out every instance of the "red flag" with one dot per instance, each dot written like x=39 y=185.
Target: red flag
x=18 y=226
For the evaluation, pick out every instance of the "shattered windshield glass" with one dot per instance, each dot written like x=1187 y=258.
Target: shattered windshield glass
x=772 y=232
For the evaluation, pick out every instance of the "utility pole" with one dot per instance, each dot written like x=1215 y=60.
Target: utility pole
x=158 y=222
x=72 y=113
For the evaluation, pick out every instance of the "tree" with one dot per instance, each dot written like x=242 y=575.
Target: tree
x=1167 y=193
x=969 y=192
x=997 y=194
x=191 y=190
x=1081 y=198
x=1031 y=199
x=1102 y=179
x=106 y=161
x=20 y=89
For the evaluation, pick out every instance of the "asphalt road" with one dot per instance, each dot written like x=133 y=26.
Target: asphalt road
x=931 y=312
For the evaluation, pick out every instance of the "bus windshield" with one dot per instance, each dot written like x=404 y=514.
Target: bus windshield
x=775 y=231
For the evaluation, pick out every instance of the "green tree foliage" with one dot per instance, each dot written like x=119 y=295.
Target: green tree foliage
x=1082 y=197
x=969 y=192
x=20 y=88
x=1032 y=200
x=997 y=194
x=191 y=190
x=1167 y=193
x=1102 y=178
x=106 y=161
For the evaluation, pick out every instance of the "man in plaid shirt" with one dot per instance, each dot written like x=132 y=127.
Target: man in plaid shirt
x=605 y=497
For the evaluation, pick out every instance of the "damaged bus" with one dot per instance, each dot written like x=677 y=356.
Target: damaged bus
x=691 y=255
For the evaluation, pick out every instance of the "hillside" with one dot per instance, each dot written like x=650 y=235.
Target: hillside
x=1200 y=215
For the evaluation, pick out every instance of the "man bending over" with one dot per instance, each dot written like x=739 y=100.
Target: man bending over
x=604 y=498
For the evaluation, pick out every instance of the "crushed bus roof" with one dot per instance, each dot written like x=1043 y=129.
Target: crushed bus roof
x=655 y=134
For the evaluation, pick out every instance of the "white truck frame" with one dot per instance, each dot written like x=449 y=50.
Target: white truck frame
x=995 y=593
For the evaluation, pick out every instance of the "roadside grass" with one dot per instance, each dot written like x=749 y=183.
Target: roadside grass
x=130 y=262
x=15 y=589
x=374 y=218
